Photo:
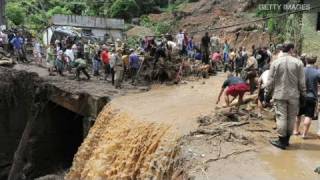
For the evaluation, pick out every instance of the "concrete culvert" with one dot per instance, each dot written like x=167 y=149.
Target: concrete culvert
x=39 y=133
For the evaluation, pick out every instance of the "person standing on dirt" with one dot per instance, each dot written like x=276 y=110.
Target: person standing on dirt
x=214 y=42
x=235 y=87
x=134 y=65
x=287 y=82
x=96 y=62
x=190 y=48
x=250 y=73
x=50 y=58
x=17 y=43
x=86 y=51
x=59 y=63
x=205 y=45
x=308 y=110
x=180 y=39
x=239 y=62
x=226 y=50
x=105 y=58
x=118 y=68
x=232 y=59
x=112 y=64
x=37 y=53
x=262 y=82
x=216 y=60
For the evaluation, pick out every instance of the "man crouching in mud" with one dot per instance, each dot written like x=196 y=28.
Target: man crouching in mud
x=236 y=87
x=287 y=82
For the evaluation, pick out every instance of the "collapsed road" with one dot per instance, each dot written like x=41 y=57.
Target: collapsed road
x=44 y=123
x=41 y=125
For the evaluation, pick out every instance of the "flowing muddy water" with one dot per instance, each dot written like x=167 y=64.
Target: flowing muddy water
x=147 y=129
x=178 y=106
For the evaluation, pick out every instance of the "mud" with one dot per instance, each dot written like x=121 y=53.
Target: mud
x=155 y=134
x=119 y=147
x=20 y=96
x=297 y=162
x=235 y=152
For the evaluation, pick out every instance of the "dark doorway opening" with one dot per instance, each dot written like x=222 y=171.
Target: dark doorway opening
x=55 y=140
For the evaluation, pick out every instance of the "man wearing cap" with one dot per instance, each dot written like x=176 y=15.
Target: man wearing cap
x=105 y=58
x=287 y=82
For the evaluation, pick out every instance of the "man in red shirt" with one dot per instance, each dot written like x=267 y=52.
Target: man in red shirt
x=105 y=57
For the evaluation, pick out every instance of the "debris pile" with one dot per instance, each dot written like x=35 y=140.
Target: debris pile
x=173 y=70
x=119 y=147
x=222 y=135
x=5 y=59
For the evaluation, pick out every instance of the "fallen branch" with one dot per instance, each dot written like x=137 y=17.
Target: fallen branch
x=228 y=155
x=207 y=131
x=235 y=124
x=259 y=130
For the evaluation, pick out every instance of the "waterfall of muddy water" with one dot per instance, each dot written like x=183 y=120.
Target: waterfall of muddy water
x=119 y=147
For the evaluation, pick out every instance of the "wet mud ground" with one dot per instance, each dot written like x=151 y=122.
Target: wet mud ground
x=179 y=106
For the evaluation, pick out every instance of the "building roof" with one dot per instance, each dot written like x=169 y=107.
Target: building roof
x=87 y=22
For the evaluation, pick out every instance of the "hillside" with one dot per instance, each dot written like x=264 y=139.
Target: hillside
x=199 y=17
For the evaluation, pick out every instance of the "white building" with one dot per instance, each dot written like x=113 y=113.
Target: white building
x=97 y=27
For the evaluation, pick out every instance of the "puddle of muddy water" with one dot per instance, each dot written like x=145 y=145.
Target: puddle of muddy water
x=296 y=163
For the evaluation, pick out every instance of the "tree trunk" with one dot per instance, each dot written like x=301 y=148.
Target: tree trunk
x=2 y=12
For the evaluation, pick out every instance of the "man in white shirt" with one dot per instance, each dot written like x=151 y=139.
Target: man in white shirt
x=180 y=38
x=262 y=84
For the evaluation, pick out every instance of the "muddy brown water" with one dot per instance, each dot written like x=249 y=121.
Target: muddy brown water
x=297 y=162
x=179 y=106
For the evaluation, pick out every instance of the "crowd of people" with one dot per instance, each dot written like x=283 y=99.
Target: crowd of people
x=277 y=73
x=284 y=80
x=110 y=59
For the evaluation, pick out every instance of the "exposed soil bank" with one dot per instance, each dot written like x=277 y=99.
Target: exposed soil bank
x=41 y=126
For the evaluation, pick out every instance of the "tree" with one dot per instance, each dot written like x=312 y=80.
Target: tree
x=58 y=10
x=125 y=9
x=15 y=13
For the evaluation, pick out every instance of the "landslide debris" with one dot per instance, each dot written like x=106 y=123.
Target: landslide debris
x=223 y=135
x=119 y=147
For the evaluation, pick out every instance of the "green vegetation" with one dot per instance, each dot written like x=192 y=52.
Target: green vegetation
x=15 y=14
x=35 y=14
x=158 y=27
x=125 y=9
x=285 y=28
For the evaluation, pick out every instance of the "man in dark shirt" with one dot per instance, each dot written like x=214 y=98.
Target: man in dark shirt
x=205 y=44
x=235 y=87
x=263 y=60
x=309 y=107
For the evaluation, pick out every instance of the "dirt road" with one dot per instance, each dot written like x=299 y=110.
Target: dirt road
x=179 y=106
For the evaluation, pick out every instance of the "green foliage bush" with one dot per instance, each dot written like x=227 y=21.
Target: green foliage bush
x=15 y=13
x=35 y=14
x=125 y=9
x=158 y=27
